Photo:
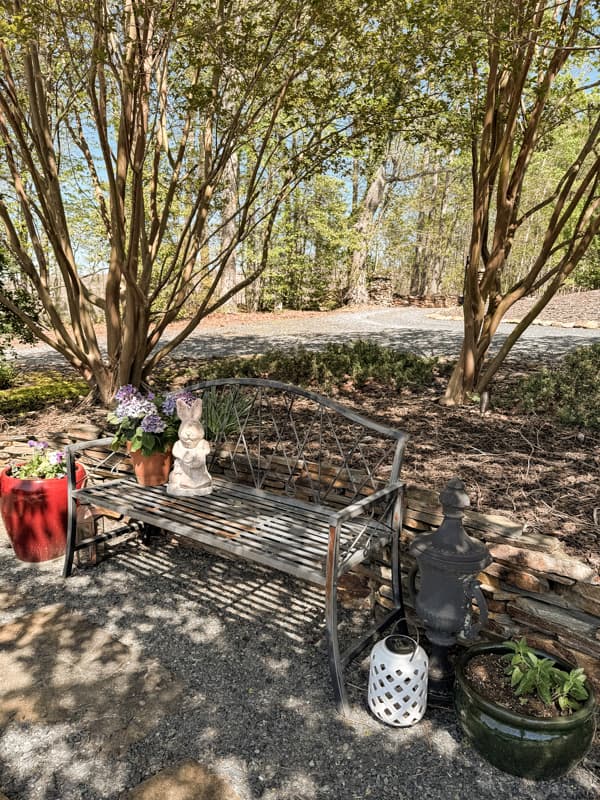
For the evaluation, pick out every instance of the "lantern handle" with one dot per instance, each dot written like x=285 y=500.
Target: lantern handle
x=405 y=636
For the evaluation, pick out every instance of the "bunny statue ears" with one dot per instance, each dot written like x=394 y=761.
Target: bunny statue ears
x=188 y=413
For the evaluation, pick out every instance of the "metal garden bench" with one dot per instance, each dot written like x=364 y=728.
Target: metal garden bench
x=301 y=485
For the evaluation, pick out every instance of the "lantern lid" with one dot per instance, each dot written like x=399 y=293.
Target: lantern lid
x=401 y=645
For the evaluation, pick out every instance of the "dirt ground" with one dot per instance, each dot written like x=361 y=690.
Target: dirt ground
x=522 y=466
x=572 y=310
x=565 y=308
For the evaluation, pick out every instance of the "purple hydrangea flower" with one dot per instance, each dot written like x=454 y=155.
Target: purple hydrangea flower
x=135 y=407
x=127 y=392
x=187 y=397
x=168 y=406
x=170 y=401
x=152 y=423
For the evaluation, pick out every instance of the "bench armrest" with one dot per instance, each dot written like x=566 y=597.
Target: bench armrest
x=358 y=508
x=76 y=446
x=70 y=456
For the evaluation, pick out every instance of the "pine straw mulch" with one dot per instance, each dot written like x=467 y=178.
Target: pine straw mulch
x=520 y=466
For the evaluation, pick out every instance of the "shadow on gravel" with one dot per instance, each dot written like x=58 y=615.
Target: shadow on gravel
x=245 y=690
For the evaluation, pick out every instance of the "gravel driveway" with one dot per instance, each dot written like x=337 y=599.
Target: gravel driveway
x=410 y=329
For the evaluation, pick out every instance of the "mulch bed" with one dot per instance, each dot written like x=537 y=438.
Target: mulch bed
x=517 y=465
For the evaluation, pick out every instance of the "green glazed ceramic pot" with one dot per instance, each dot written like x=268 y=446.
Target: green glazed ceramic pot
x=538 y=749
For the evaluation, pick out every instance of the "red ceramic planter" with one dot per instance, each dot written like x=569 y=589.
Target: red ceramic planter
x=35 y=514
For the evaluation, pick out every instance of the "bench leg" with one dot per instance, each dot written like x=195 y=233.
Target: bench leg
x=71 y=536
x=336 y=666
x=149 y=532
x=338 y=660
x=395 y=565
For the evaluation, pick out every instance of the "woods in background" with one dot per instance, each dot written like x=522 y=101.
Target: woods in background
x=162 y=161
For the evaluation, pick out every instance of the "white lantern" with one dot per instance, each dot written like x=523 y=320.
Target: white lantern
x=398 y=681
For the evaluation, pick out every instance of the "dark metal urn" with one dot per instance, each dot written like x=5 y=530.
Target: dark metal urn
x=448 y=561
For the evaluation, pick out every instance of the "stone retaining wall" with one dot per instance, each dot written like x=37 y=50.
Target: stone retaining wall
x=533 y=587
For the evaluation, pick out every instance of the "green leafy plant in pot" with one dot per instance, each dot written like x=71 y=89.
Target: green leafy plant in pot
x=527 y=713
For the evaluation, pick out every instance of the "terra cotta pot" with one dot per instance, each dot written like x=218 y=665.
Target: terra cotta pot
x=151 y=470
x=531 y=747
x=34 y=512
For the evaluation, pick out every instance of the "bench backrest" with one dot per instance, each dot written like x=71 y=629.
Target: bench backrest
x=287 y=440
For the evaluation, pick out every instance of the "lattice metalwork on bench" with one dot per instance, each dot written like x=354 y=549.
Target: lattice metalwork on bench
x=290 y=443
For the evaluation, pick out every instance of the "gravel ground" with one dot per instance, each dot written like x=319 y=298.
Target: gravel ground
x=249 y=651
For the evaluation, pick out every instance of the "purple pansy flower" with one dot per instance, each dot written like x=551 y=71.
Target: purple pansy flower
x=38 y=445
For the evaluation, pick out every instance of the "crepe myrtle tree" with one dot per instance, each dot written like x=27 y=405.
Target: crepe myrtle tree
x=119 y=123
x=530 y=70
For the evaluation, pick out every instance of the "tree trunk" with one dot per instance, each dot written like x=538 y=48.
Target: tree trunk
x=364 y=226
x=502 y=152
x=426 y=199
x=438 y=259
x=230 y=227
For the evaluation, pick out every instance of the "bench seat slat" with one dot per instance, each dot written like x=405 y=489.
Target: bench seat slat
x=291 y=504
x=277 y=531
x=283 y=542
x=263 y=503
x=251 y=549
x=259 y=522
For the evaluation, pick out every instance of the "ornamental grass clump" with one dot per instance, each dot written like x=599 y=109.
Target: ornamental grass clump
x=148 y=422
x=43 y=463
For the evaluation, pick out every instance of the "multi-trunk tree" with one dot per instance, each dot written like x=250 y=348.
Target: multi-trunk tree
x=532 y=71
x=122 y=125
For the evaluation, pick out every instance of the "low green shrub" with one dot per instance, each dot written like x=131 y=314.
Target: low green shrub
x=8 y=374
x=337 y=364
x=570 y=392
x=36 y=390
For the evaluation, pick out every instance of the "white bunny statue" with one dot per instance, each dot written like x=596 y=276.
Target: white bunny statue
x=189 y=476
